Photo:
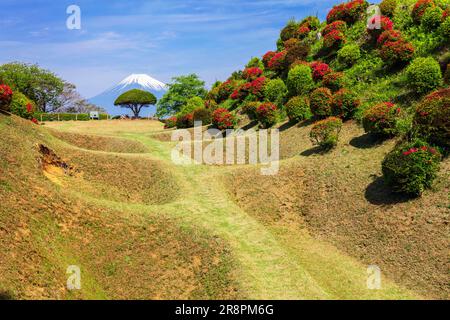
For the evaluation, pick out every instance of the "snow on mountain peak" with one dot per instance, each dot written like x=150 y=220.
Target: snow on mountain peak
x=142 y=80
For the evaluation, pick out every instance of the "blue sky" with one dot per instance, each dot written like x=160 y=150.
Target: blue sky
x=160 y=38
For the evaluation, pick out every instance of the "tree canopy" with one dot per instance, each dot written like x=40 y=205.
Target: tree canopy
x=180 y=91
x=135 y=100
x=40 y=85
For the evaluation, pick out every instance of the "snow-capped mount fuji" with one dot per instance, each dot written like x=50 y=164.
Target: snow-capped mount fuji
x=133 y=81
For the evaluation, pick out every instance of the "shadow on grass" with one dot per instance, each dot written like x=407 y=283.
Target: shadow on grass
x=286 y=126
x=367 y=140
x=313 y=151
x=251 y=125
x=5 y=296
x=379 y=193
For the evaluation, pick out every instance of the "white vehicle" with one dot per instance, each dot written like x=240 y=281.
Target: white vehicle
x=94 y=115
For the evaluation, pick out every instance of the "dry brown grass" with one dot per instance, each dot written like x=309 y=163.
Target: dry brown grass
x=99 y=143
x=123 y=253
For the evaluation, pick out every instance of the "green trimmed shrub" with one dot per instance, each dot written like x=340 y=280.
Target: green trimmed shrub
x=333 y=81
x=345 y=103
x=22 y=106
x=381 y=119
x=431 y=18
x=202 y=114
x=249 y=108
x=424 y=75
x=325 y=133
x=300 y=80
x=388 y=7
x=275 y=91
x=297 y=109
x=432 y=118
x=349 y=54
x=289 y=31
x=320 y=102
x=444 y=29
x=411 y=168
x=266 y=114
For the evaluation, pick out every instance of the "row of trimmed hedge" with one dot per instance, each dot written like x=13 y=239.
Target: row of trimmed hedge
x=68 y=116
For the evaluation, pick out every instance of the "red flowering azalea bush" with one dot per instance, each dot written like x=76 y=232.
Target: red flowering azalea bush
x=411 y=167
x=35 y=121
x=344 y=104
x=325 y=133
x=185 y=121
x=319 y=70
x=170 y=123
x=432 y=118
x=396 y=52
x=333 y=40
x=338 y=25
x=320 y=102
x=267 y=57
x=254 y=88
x=278 y=62
x=266 y=114
x=303 y=31
x=389 y=36
x=333 y=81
x=419 y=9
x=381 y=119
x=349 y=12
x=446 y=13
x=385 y=25
x=225 y=90
x=295 y=50
x=297 y=109
x=252 y=73
x=5 y=97
x=223 y=119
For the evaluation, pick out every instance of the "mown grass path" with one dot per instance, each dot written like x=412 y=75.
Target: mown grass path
x=273 y=262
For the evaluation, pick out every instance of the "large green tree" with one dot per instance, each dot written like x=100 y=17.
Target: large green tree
x=40 y=85
x=180 y=91
x=135 y=100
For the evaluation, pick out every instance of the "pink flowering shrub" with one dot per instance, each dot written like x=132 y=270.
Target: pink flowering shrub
x=319 y=70
x=5 y=97
x=333 y=40
x=381 y=119
x=171 y=123
x=432 y=118
x=266 y=114
x=336 y=25
x=349 y=12
x=325 y=133
x=223 y=119
x=411 y=168
x=278 y=62
x=252 y=73
x=398 y=52
x=419 y=9
x=389 y=35
x=267 y=57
